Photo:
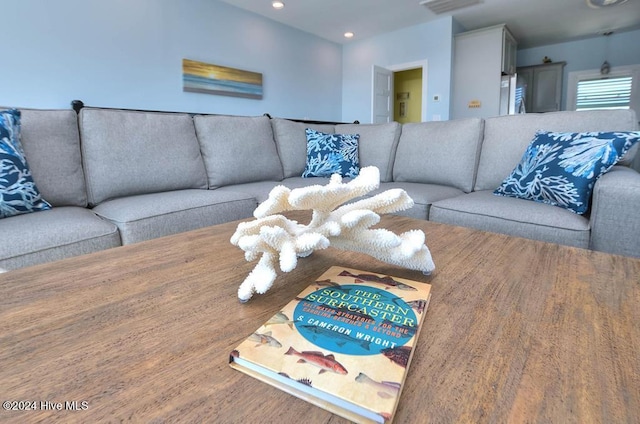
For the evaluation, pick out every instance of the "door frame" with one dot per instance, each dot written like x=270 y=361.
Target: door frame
x=405 y=67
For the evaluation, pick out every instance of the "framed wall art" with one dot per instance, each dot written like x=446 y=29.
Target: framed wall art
x=200 y=77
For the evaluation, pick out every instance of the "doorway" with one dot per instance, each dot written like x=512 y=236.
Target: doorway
x=399 y=93
x=407 y=95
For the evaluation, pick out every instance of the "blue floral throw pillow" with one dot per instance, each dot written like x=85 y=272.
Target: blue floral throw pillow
x=329 y=154
x=18 y=192
x=560 y=169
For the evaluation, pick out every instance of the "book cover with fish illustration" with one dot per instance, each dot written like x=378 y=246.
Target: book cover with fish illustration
x=344 y=343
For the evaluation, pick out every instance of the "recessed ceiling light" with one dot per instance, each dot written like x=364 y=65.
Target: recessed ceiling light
x=277 y=4
x=348 y=34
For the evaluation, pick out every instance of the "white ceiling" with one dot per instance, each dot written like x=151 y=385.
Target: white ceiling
x=533 y=22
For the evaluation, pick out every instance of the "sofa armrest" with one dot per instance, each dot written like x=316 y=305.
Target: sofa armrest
x=615 y=213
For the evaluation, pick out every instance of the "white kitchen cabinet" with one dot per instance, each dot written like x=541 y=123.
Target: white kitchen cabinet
x=544 y=86
x=480 y=58
x=509 y=52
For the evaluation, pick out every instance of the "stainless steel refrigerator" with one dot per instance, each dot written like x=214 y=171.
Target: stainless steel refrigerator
x=512 y=92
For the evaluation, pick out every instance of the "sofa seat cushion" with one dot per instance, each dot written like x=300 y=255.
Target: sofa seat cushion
x=443 y=153
x=148 y=216
x=259 y=190
x=423 y=195
x=128 y=153
x=512 y=216
x=58 y=233
x=237 y=149
x=297 y=182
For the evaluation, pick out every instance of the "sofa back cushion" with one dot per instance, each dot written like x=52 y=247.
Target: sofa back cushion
x=291 y=142
x=377 y=145
x=237 y=149
x=443 y=152
x=506 y=137
x=51 y=144
x=128 y=153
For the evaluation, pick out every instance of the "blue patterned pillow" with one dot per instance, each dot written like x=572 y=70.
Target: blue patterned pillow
x=560 y=169
x=18 y=192
x=329 y=154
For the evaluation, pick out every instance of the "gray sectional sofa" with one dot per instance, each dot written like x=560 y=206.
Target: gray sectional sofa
x=116 y=177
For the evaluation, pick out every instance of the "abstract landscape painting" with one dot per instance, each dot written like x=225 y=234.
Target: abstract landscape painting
x=199 y=77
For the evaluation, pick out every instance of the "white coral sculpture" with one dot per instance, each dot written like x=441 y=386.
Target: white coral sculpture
x=282 y=241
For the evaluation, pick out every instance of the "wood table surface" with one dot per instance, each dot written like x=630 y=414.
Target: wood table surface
x=517 y=331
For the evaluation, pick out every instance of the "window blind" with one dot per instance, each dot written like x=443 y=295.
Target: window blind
x=604 y=93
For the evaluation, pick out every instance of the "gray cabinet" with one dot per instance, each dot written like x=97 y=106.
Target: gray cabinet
x=544 y=86
x=480 y=59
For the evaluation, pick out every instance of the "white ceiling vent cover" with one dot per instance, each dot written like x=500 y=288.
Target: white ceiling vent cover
x=444 y=6
x=604 y=3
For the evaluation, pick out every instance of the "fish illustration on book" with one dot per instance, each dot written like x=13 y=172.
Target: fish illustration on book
x=385 y=389
x=333 y=285
x=327 y=283
x=386 y=280
x=324 y=362
x=279 y=318
x=419 y=305
x=304 y=381
x=339 y=338
x=264 y=339
x=398 y=355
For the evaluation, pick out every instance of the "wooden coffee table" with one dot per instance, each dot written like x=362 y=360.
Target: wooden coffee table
x=517 y=331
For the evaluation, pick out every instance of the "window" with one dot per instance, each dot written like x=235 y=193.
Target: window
x=604 y=93
x=620 y=89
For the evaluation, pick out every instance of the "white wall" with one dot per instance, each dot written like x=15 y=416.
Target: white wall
x=431 y=42
x=128 y=54
x=618 y=49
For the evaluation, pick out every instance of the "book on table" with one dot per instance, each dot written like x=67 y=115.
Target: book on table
x=344 y=343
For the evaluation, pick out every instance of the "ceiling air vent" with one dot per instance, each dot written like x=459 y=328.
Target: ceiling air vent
x=444 y=6
x=604 y=3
